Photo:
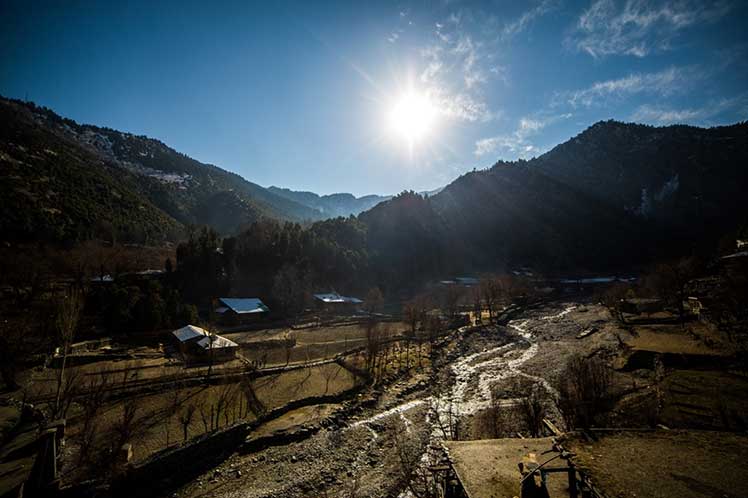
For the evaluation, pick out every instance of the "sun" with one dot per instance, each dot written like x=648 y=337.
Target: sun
x=413 y=116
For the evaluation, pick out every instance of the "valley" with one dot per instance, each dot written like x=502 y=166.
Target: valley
x=473 y=392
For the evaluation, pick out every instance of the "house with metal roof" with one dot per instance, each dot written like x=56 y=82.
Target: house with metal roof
x=334 y=302
x=197 y=344
x=217 y=348
x=189 y=333
x=235 y=310
x=335 y=298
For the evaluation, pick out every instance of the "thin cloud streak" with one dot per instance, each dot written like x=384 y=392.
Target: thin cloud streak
x=704 y=115
x=518 y=143
x=639 y=27
x=519 y=25
x=663 y=83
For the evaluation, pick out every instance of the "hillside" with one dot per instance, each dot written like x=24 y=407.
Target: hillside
x=614 y=196
x=62 y=181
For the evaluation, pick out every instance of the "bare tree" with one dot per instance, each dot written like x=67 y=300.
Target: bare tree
x=68 y=314
x=374 y=301
x=254 y=404
x=373 y=345
x=584 y=391
x=613 y=298
x=434 y=327
x=330 y=372
x=532 y=408
x=171 y=411
x=412 y=312
x=185 y=418
x=204 y=418
x=409 y=448
x=66 y=394
x=91 y=401
x=491 y=293
x=226 y=395
x=670 y=280
x=125 y=427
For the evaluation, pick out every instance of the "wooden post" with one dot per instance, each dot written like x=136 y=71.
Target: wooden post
x=573 y=493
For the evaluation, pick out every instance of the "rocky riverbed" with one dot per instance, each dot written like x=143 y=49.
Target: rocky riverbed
x=360 y=454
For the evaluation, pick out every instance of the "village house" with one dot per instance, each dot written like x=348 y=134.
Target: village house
x=196 y=344
x=216 y=348
x=240 y=310
x=337 y=304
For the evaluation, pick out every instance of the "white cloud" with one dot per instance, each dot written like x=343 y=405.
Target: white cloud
x=462 y=106
x=456 y=69
x=704 y=115
x=650 y=114
x=664 y=83
x=520 y=24
x=639 y=27
x=518 y=143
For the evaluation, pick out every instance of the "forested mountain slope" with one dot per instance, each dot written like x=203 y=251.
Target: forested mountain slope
x=614 y=196
x=63 y=181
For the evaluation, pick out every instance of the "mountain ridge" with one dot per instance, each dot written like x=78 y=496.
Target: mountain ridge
x=148 y=173
x=616 y=194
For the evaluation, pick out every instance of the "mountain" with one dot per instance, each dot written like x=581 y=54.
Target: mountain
x=614 y=196
x=333 y=205
x=61 y=180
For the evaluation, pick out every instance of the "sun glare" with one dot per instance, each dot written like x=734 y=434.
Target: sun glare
x=413 y=117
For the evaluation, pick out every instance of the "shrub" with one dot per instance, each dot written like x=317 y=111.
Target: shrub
x=584 y=391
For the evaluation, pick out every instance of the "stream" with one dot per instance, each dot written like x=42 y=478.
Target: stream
x=474 y=376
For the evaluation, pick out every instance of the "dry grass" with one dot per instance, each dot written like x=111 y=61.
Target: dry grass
x=158 y=414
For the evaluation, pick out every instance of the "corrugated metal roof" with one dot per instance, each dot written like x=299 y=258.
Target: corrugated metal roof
x=244 y=305
x=218 y=342
x=741 y=254
x=189 y=333
x=337 y=298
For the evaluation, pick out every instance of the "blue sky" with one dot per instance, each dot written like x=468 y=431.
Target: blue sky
x=300 y=94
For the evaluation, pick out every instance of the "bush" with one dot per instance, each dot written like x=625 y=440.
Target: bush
x=584 y=391
x=532 y=408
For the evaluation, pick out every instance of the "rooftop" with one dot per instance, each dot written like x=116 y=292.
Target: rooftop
x=188 y=333
x=741 y=254
x=218 y=342
x=244 y=305
x=488 y=468
x=337 y=298
x=667 y=463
